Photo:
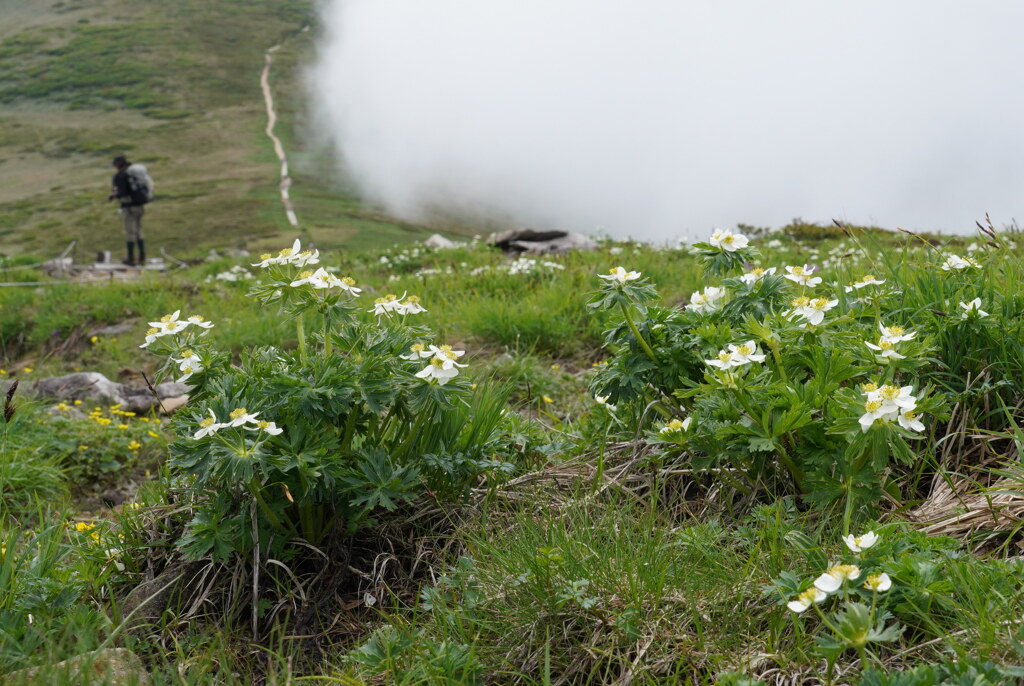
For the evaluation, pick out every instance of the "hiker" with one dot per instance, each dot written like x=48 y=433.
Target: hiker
x=133 y=188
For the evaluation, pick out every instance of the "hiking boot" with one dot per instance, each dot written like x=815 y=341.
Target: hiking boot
x=128 y=261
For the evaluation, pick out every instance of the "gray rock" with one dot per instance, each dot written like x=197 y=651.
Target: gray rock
x=96 y=389
x=114 y=666
x=439 y=241
x=531 y=242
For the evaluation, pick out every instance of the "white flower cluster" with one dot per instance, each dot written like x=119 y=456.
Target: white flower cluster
x=834 y=578
x=737 y=356
x=887 y=342
x=323 y=279
x=887 y=403
x=756 y=274
x=294 y=256
x=169 y=324
x=728 y=241
x=812 y=310
x=236 y=273
x=526 y=265
x=393 y=304
x=868 y=280
x=443 y=366
x=619 y=276
x=237 y=417
x=972 y=309
x=954 y=263
x=803 y=275
x=707 y=300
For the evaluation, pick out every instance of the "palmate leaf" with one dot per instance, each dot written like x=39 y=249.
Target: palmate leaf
x=378 y=482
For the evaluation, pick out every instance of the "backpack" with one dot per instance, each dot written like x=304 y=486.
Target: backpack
x=141 y=184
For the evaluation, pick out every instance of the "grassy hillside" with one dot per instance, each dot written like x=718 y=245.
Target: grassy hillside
x=175 y=85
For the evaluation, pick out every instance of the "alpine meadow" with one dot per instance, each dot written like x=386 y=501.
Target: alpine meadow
x=317 y=439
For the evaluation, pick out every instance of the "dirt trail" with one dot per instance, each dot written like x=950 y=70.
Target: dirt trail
x=268 y=99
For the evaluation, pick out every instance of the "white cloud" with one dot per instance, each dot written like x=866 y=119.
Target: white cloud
x=663 y=118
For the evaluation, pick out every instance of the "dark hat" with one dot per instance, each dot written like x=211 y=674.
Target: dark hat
x=120 y=160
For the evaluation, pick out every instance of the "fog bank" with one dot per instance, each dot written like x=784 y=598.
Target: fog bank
x=659 y=119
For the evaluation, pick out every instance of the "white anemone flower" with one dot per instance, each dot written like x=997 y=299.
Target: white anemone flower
x=803 y=601
x=724 y=361
x=878 y=582
x=728 y=241
x=957 y=263
x=811 y=309
x=417 y=352
x=348 y=284
x=241 y=416
x=706 y=301
x=619 y=276
x=385 y=305
x=896 y=396
x=875 y=410
x=908 y=419
x=830 y=581
x=306 y=257
x=200 y=321
x=860 y=543
x=447 y=355
x=886 y=349
x=411 y=305
x=896 y=334
x=438 y=371
x=151 y=335
x=803 y=275
x=676 y=426
x=745 y=353
x=756 y=274
x=265 y=426
x=208 y=426
x=973 y=308
x=168 y=321
x=868 y=280
x=266 y=259
x=603 y=400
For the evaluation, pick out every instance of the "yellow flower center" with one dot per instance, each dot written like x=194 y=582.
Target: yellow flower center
x=869 y=277
x=187 y=353
x=843 y=571
x=418 y=348
x=744 y=349
x=412 y=299
x=729 y=239
x=819 y=303
x=675 y=425
x=265 y=256
x=798 y=271
x=873 y=406
x=348 y=281
x=873 y=582
x=437 y=362
x=895 y=330
x=869 y=387
x=285 y=253
x=152 y=330
x=206 y=422
x=306 y=253
x=889 y=392
x=886 y=345
x=305 y=274
x=910 y=415
x=808 y=596
x=263 y=424
x=240 y=412
x=166 y=318
x=757 y=271
x=724 y=356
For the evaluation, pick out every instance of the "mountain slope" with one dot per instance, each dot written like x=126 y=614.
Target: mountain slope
x=175 y=86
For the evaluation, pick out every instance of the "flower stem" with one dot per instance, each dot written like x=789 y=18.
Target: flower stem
x=254 y=488
x=301 y=332
x=636 y=332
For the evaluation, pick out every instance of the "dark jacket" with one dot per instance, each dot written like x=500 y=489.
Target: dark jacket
x=123 y=190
